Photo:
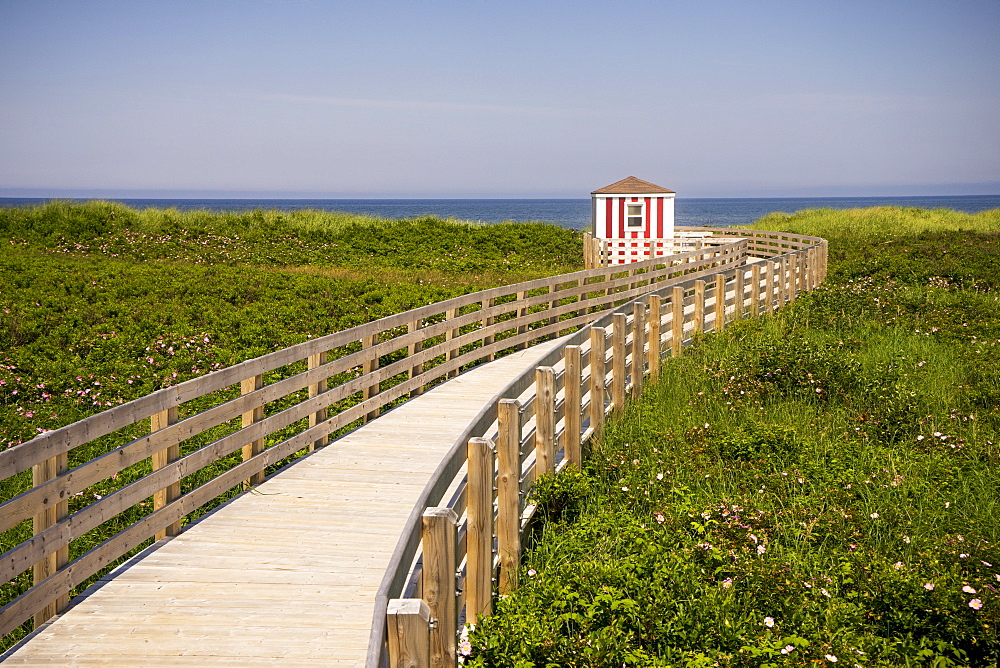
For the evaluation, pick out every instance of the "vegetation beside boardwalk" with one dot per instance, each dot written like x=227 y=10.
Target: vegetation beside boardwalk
x=819 y=487
x=101 y=304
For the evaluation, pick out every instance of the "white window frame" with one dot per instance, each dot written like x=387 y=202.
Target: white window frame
x=628 y=217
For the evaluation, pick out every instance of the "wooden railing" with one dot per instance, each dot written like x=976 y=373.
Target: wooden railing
x=462 y=543
x=166 y=457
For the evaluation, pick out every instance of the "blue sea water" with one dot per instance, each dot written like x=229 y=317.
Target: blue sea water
x=571 y=213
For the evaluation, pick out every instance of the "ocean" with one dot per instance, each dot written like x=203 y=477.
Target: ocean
x=571 y=213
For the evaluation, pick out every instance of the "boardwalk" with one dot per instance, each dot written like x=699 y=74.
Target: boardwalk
x=286 y=574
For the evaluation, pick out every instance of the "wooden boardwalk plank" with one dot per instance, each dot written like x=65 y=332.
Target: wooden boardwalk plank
x=287 y=573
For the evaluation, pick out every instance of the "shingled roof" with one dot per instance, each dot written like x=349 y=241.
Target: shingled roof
x=632 y=186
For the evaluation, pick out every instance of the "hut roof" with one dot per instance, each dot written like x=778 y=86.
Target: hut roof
x=632 y=186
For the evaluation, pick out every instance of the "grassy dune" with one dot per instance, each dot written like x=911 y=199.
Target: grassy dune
x=879 y=221
x=820 y=487
x=101 y=304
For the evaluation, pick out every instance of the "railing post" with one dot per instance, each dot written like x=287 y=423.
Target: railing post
x=739 y=292
x=545 y=420
x=408 y=625
x=413 y=349
x=793 y=277
x=487 y=323
x=618 y=367
x=316 y=389
x=813 y=267
x=553 y=319
x=653 y=358
x=450 y=334
x=638 y=347
x=676 y=320
x=521 y=313
x=598 y=377
x=509 y=492
x=438 y=540
x=699 y=307
x=55 y=561
x=572 y=406
x=720 y=302
x=250 y=417
x=769 y=287
x=172 y=453
x=370 y=365
x=805 y=268
x=754 y=290
x=479 y=537
x=782 y=281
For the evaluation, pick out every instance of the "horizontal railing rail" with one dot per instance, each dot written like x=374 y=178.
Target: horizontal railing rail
x=176 y=452
x=763 y=243
x=461 y=545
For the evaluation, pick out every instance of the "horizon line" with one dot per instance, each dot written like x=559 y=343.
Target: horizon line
x=987 y=189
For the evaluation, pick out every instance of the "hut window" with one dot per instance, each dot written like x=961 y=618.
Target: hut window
x=635 y=216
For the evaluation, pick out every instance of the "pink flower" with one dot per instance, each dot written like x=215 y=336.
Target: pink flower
x=968 y=590
x=975 y=604
x=929 y=586
x=769 y=622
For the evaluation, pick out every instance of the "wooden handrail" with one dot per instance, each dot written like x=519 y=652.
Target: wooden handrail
x=400 y=355
x=769 y=284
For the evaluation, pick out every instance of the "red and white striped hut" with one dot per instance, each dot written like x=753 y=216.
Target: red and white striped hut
x=635 y=220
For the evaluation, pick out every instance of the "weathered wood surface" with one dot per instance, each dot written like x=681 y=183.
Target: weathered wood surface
x=284 y=574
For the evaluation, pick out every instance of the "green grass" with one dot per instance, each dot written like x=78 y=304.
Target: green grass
x=101 y=304
x=878 y=221
x=821 y=483
x=313 y=239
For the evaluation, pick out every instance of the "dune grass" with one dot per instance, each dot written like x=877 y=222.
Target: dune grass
x=820 y=487
x=101 y=304
x=879 y=221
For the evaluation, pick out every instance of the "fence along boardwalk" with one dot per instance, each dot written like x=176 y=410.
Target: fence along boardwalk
x=350 y=377
x=287 y=574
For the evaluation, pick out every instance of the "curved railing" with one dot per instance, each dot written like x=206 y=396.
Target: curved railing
x=167 y=457
x=462 y=541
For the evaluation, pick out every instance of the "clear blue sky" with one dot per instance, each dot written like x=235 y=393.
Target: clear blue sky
x=501 y=99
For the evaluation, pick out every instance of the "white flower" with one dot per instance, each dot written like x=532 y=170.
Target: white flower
x=769 y=622
x=624 y=489
x=659 y=476
x=968 y=590
x=874 y=516
x=825 y=593
x=898 y=565
x=929 y=586
x=832 y=658
x=761 y=549
x=788 y=649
